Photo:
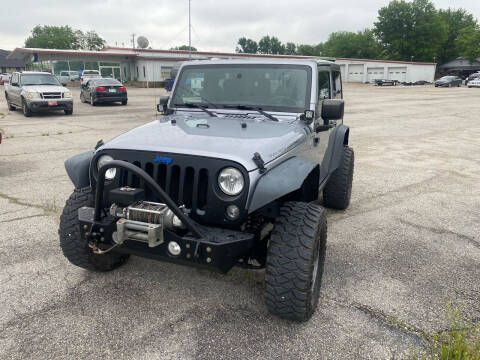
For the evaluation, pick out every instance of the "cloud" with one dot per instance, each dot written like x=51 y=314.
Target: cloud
x=217 y=24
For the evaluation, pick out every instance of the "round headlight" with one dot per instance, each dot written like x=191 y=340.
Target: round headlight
x=231 y=181
x=102 y=160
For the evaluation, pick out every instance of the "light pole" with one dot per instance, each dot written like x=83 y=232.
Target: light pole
x=189 y=31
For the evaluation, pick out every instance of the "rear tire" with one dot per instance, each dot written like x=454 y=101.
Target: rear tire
x=295 y=261
x=68 y=112
x=26 y=110
x=338 y=191
x=124 y=102
x=82 y=98
x=74 y=247
x=92 y=101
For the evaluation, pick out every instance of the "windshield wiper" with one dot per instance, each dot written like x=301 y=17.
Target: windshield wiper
x=257 y=109
x=197 y=106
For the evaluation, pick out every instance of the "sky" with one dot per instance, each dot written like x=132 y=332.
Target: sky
x=216 y=24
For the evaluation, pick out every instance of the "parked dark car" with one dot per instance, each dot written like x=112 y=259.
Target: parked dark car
x=449 y=81
x=472 y=77
x=103 y=90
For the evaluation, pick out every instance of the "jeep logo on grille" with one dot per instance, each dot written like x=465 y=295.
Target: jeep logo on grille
x=162 y=160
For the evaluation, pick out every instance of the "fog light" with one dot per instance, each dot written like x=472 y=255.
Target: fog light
x=233 y=212
x=174 y=248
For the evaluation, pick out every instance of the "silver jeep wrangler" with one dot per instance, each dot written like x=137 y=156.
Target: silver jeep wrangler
x=230 y=174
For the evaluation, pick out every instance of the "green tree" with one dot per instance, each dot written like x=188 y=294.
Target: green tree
x=362 y=44
x=63 y=37
x=468 y=43
x=458 y=22
x=410 y=30
x=270 y=45
x=290 y=48
x=310 y=50
x=184 y=47
x=52 y=37
x=248 y=46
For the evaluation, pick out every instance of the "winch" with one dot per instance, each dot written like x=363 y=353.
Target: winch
x=144 y=221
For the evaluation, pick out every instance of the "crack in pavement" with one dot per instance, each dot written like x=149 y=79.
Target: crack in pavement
x=48 y=209
x=388 y=320
x=439 y=231
x=23 y=218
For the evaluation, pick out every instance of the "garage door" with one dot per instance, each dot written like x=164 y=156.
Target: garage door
x=397 y=73
x=355 y=72
x=374 y=73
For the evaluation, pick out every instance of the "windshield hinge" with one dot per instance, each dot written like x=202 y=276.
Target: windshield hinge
x=257 y=159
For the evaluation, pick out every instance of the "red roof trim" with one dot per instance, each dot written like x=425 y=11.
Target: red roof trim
x=390 y=61
x=185 y=52
x=68 y=52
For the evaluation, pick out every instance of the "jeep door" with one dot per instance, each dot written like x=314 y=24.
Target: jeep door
x=327 y=89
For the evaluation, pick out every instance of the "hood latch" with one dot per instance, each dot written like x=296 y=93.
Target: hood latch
x=257 y=159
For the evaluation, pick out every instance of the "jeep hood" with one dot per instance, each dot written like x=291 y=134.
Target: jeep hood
x=215 y=137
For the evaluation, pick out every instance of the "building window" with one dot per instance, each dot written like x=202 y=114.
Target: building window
x=144 y=76
x=165 y=70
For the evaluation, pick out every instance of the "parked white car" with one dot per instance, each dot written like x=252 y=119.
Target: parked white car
x=474 y=83
x=67 y=76
x=88 y=75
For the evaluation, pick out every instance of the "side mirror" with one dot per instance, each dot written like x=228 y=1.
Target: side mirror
x=332 y=109
x=162 y=105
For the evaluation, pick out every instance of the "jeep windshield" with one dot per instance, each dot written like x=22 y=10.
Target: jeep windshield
x=269 y=87
x=39 y=79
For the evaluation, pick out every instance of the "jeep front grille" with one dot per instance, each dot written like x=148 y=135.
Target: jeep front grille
x=188 y=179
x=51 y=95
x=185 y=185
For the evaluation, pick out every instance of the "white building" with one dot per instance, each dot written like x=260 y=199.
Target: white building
x=364 y=70
x=152 y=65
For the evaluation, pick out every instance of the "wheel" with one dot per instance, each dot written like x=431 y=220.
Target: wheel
x=92 y=101
x=75 y=248
x=82 y=98
x=338 y=190
x=124 y=102
x=68 y=112
x=10 y=106
x=295 y=261
x=26 y=110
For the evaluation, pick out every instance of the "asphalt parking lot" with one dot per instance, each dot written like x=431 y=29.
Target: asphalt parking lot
x=408 y=244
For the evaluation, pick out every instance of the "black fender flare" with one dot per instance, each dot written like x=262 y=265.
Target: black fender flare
x=281 y=180
x=78 y=167
x=333 y=156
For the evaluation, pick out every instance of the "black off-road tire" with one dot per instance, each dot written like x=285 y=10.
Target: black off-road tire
x=295 y=261
x=338 y=191
x=25 y=109
x=74 y=247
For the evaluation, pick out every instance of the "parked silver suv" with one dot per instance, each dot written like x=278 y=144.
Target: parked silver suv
x=37 y=91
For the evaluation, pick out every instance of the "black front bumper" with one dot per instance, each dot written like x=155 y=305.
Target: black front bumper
x=218 y=249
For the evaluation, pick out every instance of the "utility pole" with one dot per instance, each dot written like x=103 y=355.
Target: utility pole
x=189 y=31
x=133 y=41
